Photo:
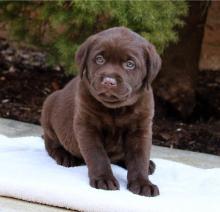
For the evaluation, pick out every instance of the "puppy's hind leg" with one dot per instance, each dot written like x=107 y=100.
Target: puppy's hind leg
x=58 y=153
x=152 y=167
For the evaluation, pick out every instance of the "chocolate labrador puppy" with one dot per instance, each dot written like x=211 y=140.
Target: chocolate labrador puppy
x=105 y=114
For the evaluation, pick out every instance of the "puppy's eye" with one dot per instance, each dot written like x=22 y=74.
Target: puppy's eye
x=129 y=65
x=100 y=60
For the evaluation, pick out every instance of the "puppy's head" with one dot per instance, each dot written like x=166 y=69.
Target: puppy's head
x=117 y=64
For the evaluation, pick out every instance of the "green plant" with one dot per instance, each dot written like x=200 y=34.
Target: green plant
x=60 y=27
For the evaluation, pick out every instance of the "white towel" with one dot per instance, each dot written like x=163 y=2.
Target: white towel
x=28 y=173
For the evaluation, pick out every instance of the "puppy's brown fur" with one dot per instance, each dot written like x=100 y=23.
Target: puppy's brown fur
x=99 y=121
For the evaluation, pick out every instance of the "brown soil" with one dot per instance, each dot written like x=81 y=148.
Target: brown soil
x=26 y=80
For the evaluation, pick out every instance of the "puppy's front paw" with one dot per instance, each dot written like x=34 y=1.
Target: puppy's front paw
x=143 y=187
x=104 y=182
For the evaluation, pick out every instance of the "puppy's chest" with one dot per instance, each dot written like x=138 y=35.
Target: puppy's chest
x=118 y=120
x=114 y=128
x=113 y=139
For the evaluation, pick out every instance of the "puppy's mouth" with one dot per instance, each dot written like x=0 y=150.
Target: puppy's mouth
x=112 y=98
x=109 y=98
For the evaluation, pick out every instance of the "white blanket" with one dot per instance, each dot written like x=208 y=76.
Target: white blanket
x=28 y=173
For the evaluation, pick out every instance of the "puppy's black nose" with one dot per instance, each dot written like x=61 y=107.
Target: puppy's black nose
x=109 y=82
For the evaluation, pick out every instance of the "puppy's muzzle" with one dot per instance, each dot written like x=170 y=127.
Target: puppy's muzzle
x=109 y=82
x=111 y=88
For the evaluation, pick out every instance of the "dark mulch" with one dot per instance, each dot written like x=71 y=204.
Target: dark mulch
x=26 y=80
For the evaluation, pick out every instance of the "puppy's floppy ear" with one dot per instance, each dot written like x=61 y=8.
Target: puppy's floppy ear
x=82 y=54
x=153 y=63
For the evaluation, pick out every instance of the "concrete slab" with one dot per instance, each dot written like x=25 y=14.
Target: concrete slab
x=13 y=128
x=200 y=160
x=15 y=205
